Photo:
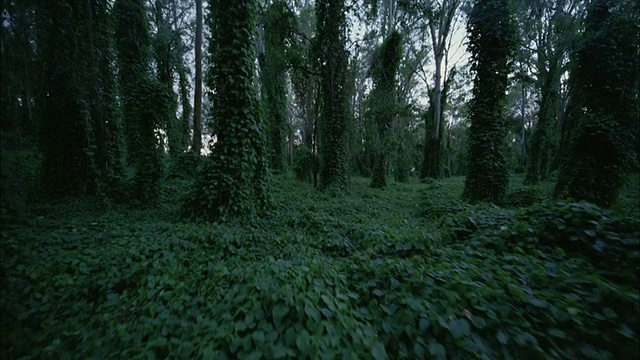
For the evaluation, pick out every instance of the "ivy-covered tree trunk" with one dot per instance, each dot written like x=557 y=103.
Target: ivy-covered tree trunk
x=67 y=137
x=331 y=37
x=541 y=145
x=99 y=77
x=601 y=128
x=233 y=180
x=277 y=28
x=165 y=51
x=491 y=42
x=145 y=101
x=384 y=96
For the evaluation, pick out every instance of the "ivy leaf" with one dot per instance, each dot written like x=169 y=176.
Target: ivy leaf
x=557 y=333
x=256 y=355
x=378 y=351
x=279 y=311
x=459 y=328
x=436 y=349
x=502 y=337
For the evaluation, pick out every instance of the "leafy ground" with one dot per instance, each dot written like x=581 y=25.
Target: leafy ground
x=406 y=272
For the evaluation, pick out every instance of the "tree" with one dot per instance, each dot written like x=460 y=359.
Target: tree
x=492 y=43
x=18 y=66
x=553 y=28
x=146 y=102
x=440 y=20
x=80 y=145
x=233 y=179
x=166 y=44
x=331 y=39
x=601 y=128
x=197 y=101
x=384 y=69
x=278 y=28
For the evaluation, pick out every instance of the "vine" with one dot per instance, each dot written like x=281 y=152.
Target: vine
x=331 y=40
x=146 y=102
x=492 y=39
x=602 y=126
x=232 y=181
x=385 y=67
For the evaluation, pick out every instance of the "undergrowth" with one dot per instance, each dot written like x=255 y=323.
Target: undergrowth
x=405 y=272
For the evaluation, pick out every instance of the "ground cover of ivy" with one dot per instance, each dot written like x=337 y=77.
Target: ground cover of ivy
x=405 y=272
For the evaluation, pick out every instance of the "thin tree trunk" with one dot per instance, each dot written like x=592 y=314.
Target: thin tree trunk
x=197 y=103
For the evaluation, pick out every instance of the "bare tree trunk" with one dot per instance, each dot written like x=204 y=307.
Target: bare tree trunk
x=197 y=102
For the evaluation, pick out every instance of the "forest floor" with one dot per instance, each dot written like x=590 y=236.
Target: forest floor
x=405 y=272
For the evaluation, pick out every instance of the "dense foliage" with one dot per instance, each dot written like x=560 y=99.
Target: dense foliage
x=601 y=131
x=147 y=102
x=492 y=43
x=378 y=281
x=384 y=102
x=333 y=61
x=117 y=241
x=232 y=181
x=278 y=27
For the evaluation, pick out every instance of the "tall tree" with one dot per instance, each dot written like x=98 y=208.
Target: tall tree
x=233 y=180
x=304 y=83
x=102 y=89
x=384 y=70
x=553 y=28
x=440 y=17
x=278 y=29
x=197 y=101
x=331 y=38
x=67 y=136
x=182 y=70
x=601 y=128
x=17 y=64
x=145 y=100
x=165 y=51
x=492 y=43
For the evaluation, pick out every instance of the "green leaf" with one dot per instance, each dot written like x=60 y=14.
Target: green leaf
x=459 y=328
x=258 y=336
x=256 y=355
x=279 y=311
x=378 y=351
x=557 y=333
x=312 y=312
x=302 y=341
x=436 y=349
x=502 y=337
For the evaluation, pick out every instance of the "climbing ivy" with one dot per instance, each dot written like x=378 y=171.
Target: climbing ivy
x=146 y=102
x=602 y=125
x=492 y=39
x=331 y=40
x=278 y=31
x=67 y=138
x=232 y=181
x=541 y=143
x=384 y=69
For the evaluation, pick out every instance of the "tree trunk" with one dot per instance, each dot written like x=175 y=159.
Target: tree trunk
x=197 y=102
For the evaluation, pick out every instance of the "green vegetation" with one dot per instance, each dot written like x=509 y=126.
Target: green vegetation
x=120 y=240
x=492 y=42
x=384 y=98
x=404 y=272
x=233 y=180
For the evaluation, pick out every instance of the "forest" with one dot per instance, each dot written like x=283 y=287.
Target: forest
x=320 y=179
